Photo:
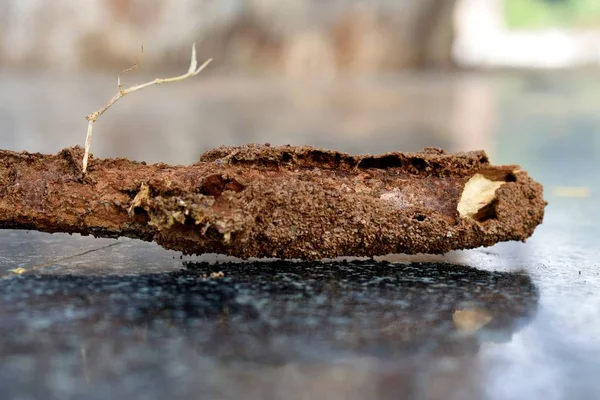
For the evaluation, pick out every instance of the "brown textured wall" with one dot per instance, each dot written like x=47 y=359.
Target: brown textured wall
x=291 y=37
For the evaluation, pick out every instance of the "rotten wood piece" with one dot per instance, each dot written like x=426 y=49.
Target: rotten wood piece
x=287 y=202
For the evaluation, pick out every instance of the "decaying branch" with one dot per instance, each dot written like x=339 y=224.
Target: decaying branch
x=93 y=117
x=287 y=202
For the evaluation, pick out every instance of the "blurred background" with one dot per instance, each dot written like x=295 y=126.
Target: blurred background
x=358 y=76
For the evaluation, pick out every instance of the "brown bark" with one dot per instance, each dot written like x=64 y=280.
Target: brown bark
x=262 y=201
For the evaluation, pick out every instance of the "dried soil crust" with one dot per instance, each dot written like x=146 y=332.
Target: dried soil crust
x=286 y=202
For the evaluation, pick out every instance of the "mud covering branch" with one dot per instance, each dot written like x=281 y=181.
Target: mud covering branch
x=286 y=202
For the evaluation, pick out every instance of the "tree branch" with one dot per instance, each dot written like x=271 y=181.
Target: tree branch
x=286 y=202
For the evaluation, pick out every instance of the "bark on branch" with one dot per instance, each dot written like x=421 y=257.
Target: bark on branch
x=287 y=202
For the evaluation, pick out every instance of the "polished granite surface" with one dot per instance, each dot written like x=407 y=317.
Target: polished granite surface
x=98 y=318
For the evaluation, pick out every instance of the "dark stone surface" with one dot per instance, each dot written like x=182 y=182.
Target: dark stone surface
x=104 y=335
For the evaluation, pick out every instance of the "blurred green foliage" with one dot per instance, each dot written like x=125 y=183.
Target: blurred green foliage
x=552 y=13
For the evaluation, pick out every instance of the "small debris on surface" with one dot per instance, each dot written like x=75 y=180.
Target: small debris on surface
x=18 y=271
x=214 y=275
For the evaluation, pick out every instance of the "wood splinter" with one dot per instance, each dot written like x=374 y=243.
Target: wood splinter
x=286 y=202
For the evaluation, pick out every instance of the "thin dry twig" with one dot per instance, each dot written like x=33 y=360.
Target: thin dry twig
x=93 y=117
x=21 y=270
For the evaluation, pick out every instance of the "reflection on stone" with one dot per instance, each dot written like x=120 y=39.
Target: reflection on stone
x=471 y=320
x=376 y=326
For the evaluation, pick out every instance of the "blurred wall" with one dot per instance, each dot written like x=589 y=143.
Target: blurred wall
x=279 y=36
